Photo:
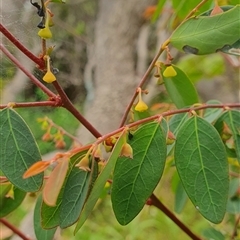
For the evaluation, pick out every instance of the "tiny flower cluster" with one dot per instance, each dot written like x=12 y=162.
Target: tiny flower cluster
x=57 y=138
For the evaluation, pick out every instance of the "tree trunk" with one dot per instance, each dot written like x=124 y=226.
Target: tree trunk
x=116 y=32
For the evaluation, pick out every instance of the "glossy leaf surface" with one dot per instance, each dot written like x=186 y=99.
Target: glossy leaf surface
x=201 y=162
x=135 y=179
x=18 y=151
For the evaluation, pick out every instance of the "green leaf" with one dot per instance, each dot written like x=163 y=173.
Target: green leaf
x=75 y=194
x=100 y=183
x=156 y=14
x=9 y=204
x=41 y=234
x=211 y=233
x=175 y=124
x=135 y=179
x=205 y=66
x=231 y=118
x=233 y=186
x=4 y=189
x=233 y=204
x=51 y=215
x=18 y=151
x=180 y=89
x=183 y=7
x=211 y=114
x=180 y=198
x=201 y=162
x=208 y=34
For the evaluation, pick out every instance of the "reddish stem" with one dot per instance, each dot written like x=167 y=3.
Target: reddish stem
x=66 y=103
x=143 y=80
x=235 y=233
x=158 y=204
x=31 y=104
x=15 y=41
x=32 y=78
x=14 y=229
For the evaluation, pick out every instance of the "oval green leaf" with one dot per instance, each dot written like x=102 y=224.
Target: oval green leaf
x=211 y=233
x=211 y=114
x=100 y=182
x=208 y=34
x=18 y=151
x=51 y=215
x=201 y=162
x=180 y=89
x=41 y=234
x=75 y=194
x=232 y=119
x=135 y=179
x=9 y=204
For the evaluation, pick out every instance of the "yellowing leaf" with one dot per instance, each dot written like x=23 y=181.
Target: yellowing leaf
x=36 y=168
x=54 y=183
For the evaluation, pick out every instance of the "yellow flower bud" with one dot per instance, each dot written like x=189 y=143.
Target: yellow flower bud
x=170 y=138
x=226 y=132
x=126 y=151
x=141 y=106
x=49 y=77
x=169 y=72
x=84 y=164
x=45 y=33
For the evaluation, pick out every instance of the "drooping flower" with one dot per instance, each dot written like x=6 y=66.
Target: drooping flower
x=170 y=138
x=49 y=77
x=141 y=105
x=127 y=150
x=46 y=32
x=84 y=164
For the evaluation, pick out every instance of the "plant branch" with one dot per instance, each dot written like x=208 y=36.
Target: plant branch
x=32 y=78
x=158 y=204
x=234 y=234
x=40 y=62
x=185 y=110
x=165 y=114
x=62 y=130
x=143 y=81
x=14 y=229
x=195 y=9
x=30 y=104
x=151 y=66
x=66 y=103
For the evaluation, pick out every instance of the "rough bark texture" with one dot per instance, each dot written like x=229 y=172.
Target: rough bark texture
x=116 y=32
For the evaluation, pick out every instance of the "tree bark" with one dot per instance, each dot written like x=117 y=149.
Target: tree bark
x=116 y=32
